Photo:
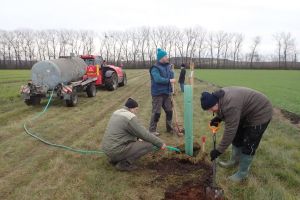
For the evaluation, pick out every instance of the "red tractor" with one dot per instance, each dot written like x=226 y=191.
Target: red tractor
x=109 y=76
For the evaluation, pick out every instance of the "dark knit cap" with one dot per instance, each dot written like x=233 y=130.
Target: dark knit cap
x=131 y=103
x=182 y=65
x=208 y=100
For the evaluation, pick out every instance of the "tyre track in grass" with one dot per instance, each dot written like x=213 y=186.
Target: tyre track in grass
x=58 y=109
x=33 y=151
x=42 y=161
x=21 y=106
x=60 y=118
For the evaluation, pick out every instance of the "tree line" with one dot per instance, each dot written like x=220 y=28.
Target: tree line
x=136 y=47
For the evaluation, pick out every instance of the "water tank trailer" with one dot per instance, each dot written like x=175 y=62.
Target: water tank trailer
x=66 y=76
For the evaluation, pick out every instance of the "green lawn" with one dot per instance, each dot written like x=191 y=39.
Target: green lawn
x=32 y=170
x=10 y=82
x=282 y=87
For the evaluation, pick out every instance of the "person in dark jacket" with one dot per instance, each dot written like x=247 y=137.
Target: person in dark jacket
x=162 y=77
x=246 y=114
x=182 y=77
x=122 y=139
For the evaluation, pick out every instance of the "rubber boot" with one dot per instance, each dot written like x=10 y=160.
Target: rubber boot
x=234 y=158
x=245 y=162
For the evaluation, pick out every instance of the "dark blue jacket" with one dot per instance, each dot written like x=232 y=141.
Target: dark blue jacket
x=182 y=76
x=160 y=79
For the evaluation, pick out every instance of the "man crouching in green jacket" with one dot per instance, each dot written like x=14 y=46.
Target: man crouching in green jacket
x=246 y=114
x=120 y=142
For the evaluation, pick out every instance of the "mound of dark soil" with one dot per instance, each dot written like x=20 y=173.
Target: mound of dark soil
x=177 y=166
x=195 y=189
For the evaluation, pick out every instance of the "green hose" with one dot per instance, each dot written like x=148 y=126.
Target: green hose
x=80 y=151
x=173 y=149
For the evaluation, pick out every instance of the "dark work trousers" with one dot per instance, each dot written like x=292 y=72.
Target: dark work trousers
x=182 y=87
x=135 y=151
x=248 y=138
x=162 y=101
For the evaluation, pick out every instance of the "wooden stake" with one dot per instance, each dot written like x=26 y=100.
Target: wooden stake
x=173 y=84
x=203 y=139
x=192 y=65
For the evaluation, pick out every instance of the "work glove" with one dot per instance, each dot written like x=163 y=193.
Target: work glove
x=214 y=154
x=215 y=121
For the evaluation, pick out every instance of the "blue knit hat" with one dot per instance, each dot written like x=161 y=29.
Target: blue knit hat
x=208 y=100
x=160 y=54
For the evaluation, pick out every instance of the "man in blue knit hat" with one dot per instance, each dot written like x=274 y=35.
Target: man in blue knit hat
x=246 y=114
x=162 y=77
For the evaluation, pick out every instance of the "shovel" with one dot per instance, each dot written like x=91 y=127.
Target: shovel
x=214 y=190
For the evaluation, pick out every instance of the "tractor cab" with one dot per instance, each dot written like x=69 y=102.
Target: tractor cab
x=93 y=67
x=109 y=76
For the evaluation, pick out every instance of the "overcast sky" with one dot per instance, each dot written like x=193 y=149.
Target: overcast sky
x=255 y=17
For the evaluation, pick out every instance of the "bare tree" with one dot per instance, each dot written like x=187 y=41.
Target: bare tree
x=200 y=43
x=41 y=40
x=228 y=40
x=210 y=43
x=253 y=53
x=138 y=46
x=278 y=39
x=288 y=46
x=190 y=42
x=3 y=47
x=237 y=43
x=180 y=43
x=52 y=36
x=219 y=42
x=145 y=33
x=135 y=43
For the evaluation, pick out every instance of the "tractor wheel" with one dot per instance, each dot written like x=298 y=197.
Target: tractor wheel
x=91 y=90
x=73 y=99
x=33 y=101
x=111 y=83
x=124 y=81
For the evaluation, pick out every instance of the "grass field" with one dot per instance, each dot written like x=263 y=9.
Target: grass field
x=282 y=87
x=32 y=170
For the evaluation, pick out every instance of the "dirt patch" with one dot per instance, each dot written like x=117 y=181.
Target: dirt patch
x=287 y=117
x=196 y=188
x=177 y=166
x=193 y=190
x=292 y=117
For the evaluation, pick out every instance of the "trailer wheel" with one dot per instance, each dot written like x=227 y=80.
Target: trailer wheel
x=73 y=99
x=33 y=101
x=124 y=81
x=91 y=90
x=111 y=83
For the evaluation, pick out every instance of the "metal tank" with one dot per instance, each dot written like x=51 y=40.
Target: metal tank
x=50 y=73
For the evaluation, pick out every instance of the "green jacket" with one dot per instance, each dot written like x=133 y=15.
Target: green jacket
x=238 y=104
x=122 y=129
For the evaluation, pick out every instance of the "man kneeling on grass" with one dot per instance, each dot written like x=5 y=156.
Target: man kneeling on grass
x=246 y=114
x=122 y=139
